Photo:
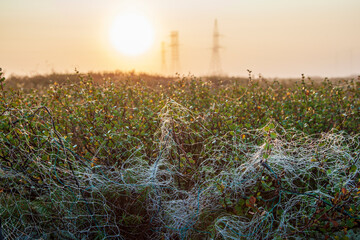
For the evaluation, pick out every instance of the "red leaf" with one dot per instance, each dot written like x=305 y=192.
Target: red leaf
x=252 y=201
x=335 y=223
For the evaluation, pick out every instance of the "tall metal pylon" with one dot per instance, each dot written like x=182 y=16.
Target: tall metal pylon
x=174 y=45
x=215 y=64
x=163 y=58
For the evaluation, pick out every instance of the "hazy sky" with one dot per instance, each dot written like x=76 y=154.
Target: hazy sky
x=277 y=38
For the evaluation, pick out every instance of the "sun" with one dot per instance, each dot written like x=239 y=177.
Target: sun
x=131 y=34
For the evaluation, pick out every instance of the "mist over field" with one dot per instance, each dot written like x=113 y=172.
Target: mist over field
x=280 y=38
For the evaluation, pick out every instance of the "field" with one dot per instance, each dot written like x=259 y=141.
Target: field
x=134 y=156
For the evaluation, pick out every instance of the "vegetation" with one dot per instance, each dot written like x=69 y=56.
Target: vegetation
x=145 y=157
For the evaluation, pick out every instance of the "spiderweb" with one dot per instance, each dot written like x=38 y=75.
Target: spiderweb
x=256 y=184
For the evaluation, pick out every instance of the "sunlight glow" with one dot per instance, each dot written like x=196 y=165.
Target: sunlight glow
x=131 y=34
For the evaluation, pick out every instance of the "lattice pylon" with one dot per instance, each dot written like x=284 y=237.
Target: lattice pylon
x=174 y=46
x=215 y=64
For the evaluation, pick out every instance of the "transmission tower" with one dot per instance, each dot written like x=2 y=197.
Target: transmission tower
x=174 y=45
x=215 y=64
x=163 y=58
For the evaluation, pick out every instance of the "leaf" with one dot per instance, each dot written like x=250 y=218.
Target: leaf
x=239 y=207
x=252 y=201
x=353 y=168
x=221 y=188
x=335 y=223
x=273 y=135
